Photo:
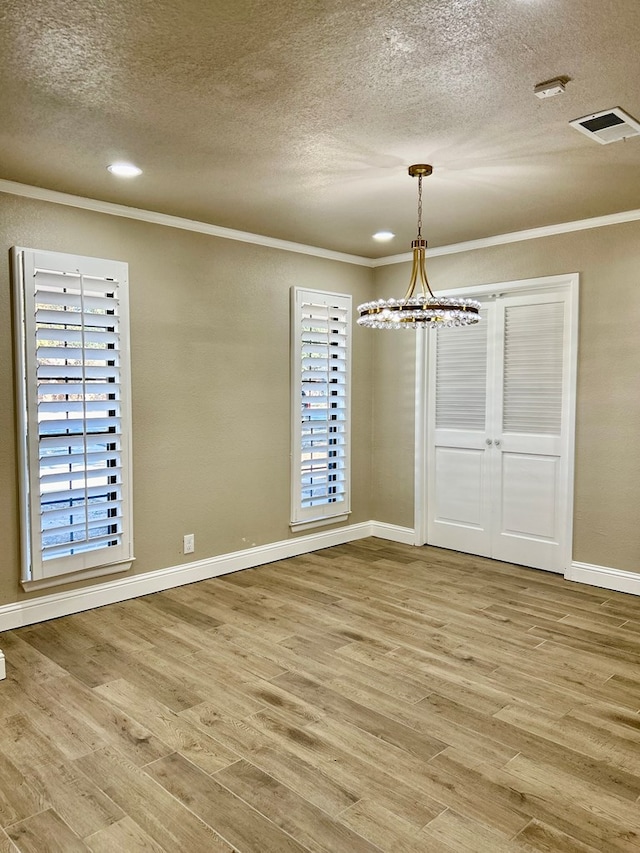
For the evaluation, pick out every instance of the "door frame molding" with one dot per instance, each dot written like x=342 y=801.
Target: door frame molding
x=570 y=281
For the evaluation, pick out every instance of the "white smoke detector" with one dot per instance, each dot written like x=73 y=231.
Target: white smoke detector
x=607 y=126
x=549 y=89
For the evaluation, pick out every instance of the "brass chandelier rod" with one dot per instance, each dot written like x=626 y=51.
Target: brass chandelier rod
x=419 y=245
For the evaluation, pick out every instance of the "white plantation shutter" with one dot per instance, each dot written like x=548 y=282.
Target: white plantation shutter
x=533 y=365
x=461 y=376
x=321 y=377
x=75 y=402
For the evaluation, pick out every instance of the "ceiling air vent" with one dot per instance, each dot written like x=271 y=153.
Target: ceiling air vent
x=607 y=126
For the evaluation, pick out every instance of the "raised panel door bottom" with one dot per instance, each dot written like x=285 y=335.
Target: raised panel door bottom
x=459 y=486
x=530 y=495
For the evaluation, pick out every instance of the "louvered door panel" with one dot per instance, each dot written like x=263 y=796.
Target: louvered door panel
x=461 y=376
x=533 y=355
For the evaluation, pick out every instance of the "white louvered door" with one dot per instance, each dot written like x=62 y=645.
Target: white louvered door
x=500 y=415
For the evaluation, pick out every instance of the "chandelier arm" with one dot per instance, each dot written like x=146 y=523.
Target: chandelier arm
x=424 y=281
x=414 y=275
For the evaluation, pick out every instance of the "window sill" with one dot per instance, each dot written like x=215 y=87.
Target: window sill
x=72 y=577
x=308 y=524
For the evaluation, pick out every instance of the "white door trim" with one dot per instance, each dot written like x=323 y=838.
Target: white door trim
x=570 y=281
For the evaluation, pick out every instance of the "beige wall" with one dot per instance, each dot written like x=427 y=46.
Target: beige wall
x=607 y=480
x=211 y=418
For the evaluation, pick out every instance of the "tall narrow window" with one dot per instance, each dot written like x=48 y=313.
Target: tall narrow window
x=321 y=392
x=73 y=377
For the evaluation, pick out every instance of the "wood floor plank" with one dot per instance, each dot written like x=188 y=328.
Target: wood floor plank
x=177 y=733
x=387 y=831
x=125 y=836
x=612 y=718
x=223 y=650
x=620 y=644
x=70 y=649
x=547 y=746
x=83 y=806
x=25 y=662
x=362 y=716
x=539 y=836
x=458 y=687
x=25 y=745
x=18 y=799
x=353 y=776
x=172 y=825
x=356 y=772
x=314 y=783
x=465 y=833
x=408 y=689
x=110 y=724
x=45 y=832
x=150 y=672
x=415 y=719
x=47 y=709
x=576 y=734
x=309 y=825
x=403 y=768
x=109 y=624
x=241 y=825
x=589 y=796
x=180 y=612
x=320 y=786
x=6 y=844
x=562 y=811
x=287 y=659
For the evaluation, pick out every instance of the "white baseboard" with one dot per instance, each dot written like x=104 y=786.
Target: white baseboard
x=604 y=577
x=405 y=535
x=52 y=606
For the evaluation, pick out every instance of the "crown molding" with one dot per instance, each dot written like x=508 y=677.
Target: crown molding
x=517 y=236
x=42 y=194
x=155 y=218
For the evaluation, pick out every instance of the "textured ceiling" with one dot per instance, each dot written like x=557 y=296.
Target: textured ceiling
x=297 y=118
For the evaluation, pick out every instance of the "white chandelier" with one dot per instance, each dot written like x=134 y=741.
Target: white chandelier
x=424 y=310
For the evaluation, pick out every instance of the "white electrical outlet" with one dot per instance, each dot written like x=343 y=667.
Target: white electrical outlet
x=189 y=543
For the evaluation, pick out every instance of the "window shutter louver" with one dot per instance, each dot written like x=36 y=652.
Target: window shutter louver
x=321 y=401
x=533 y=364
x=76 y=360
x=461 y=376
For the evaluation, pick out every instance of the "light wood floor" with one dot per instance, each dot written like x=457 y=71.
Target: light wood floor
x=368 y=697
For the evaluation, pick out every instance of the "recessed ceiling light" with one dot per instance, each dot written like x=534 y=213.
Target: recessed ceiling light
x=383 y=236
x=124 y=170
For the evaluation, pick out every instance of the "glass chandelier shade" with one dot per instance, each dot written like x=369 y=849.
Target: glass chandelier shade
x=423 y=309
